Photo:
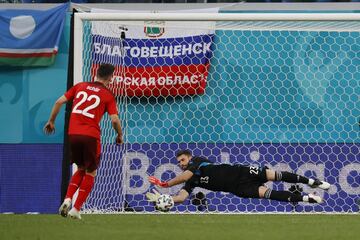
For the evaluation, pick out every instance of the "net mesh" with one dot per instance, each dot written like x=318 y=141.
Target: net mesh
x=278 y=94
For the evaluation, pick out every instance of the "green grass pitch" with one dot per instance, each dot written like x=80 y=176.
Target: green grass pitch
x=187 y=226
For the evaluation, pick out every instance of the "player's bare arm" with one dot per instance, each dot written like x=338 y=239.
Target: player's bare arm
x=49 y=127
x=186 y=175
x=115 y=121
x=181 y=196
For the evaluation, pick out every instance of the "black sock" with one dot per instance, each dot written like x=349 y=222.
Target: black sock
x=290 y=177
x=283 y=196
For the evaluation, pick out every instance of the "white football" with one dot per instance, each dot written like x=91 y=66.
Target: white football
x=164 y=203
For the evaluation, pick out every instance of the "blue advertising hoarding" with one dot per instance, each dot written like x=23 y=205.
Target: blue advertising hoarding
x=338 y=164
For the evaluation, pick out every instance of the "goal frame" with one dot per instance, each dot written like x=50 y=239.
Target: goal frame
x=80 y=18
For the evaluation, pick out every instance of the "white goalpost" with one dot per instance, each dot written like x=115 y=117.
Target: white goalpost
x=278 y=90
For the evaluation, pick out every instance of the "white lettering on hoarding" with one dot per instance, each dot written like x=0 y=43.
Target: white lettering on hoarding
x=139 y=172
x=343 y=178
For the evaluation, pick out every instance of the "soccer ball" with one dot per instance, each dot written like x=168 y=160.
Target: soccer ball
x=164 y=203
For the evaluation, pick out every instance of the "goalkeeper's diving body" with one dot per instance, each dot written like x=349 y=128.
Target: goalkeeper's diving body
x=240 y=180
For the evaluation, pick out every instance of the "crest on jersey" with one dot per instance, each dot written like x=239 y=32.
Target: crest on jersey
x=154 y=29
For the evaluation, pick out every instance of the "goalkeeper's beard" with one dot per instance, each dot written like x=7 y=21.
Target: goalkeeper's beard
x=183 y=167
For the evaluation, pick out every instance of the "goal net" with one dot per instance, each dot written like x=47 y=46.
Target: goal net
x=276 y=90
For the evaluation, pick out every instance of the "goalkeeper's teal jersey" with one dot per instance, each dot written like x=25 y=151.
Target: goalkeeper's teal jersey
x=214 y=177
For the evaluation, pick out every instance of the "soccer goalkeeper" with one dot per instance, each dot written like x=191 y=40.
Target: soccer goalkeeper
x=240 y=180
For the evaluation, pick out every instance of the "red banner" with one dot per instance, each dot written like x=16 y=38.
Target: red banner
x=159 y=80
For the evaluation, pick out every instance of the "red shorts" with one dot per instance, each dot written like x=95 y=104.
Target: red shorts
x=85 y=151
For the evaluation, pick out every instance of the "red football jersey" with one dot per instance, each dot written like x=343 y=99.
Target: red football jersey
x=90 y=101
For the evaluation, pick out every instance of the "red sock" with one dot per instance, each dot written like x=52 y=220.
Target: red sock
x=84 y=191
x=74 y=183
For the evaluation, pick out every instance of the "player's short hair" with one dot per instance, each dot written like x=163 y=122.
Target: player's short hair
x=181 y=152
x=105 y=70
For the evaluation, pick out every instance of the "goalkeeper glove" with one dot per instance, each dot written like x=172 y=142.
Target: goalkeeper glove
x=152 y=197
x=158 y=182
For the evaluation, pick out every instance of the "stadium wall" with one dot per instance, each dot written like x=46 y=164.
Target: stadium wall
x=30 y=162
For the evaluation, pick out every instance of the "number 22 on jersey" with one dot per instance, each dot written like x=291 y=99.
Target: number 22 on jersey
x=86 y=98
